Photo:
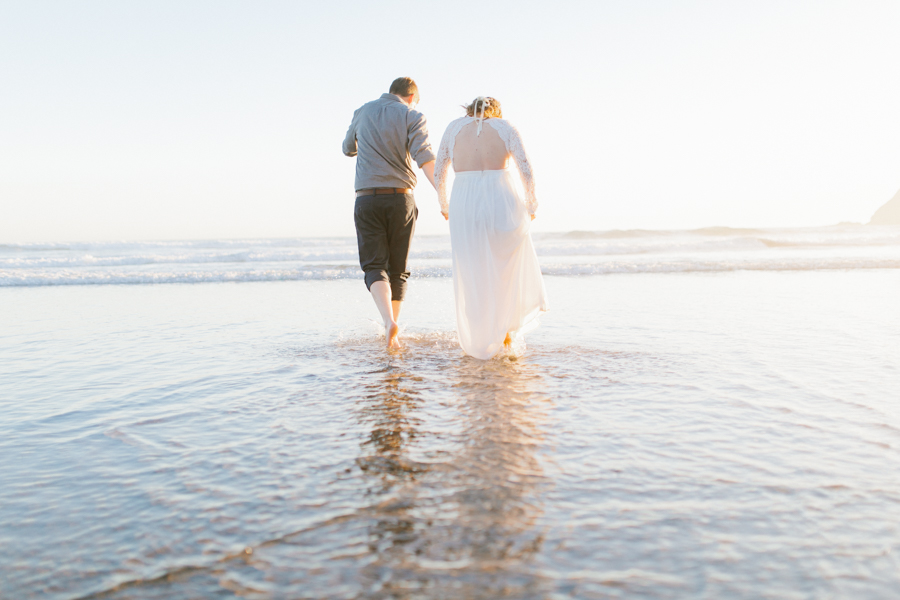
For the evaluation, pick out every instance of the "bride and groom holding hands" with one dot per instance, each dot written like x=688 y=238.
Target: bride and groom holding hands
x=497 y=281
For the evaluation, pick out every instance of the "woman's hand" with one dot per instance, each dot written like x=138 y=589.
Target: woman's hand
x=533 y=216
x=447 y=215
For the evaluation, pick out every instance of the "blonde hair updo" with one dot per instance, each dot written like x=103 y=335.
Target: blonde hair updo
x=491 y=108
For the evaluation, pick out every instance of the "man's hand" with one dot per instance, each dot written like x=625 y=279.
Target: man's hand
x=447 y=215
x=533 y=217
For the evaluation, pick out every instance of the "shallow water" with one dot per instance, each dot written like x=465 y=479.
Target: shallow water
x=663 y=436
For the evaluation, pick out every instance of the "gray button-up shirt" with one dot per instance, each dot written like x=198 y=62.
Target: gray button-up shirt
x=386 y=133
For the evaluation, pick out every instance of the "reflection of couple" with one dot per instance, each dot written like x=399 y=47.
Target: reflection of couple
x=496 y=278
x=457 y=507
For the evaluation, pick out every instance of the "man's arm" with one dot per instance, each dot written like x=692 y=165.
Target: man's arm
x=349 y=146
x=428 y=169
x=419 y=145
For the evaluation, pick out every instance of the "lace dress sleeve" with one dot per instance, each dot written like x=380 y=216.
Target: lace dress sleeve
x=512 y=139
x=444 y=161
x=441 y=166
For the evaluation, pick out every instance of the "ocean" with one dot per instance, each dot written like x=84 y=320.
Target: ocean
x=712 y=249
x=711 y=413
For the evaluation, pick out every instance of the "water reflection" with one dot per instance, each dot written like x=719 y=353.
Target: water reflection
x=501 y=478
x=388 y=408
x=456 y=500
x=445 y=499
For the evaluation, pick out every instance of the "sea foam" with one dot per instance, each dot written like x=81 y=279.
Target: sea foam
x=576 y=253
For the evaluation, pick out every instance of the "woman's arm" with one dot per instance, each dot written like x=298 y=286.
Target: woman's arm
x=440 y=168
x=517 y=151
x=512 y=139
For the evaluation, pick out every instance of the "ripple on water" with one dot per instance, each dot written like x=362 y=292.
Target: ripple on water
x=333 y=469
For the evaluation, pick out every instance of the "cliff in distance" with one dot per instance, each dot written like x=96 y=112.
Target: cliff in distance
x=889 y=214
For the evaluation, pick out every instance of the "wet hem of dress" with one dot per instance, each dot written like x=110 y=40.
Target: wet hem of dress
x=529 y=323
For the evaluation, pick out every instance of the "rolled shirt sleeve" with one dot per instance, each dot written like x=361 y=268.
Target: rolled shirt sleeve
x=349 y=146
x=419 y=145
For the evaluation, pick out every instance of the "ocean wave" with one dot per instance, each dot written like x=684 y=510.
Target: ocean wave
x=725 y=231
x=164 y=245
x=47 y=277
x=718 y=231
x=695 y=266
x=436 y=248
x=561 y=254
x=656 y=245
x=110 y=277
x=90 y=260
x=612 y=234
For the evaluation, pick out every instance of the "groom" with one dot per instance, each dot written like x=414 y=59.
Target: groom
x=386 y=135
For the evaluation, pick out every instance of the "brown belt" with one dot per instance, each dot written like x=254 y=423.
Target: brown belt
x=374 y=191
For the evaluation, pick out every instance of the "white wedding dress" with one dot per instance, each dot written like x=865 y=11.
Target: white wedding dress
x=496 y=277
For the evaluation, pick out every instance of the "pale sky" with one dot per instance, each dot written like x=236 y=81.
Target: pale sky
x=189 y=119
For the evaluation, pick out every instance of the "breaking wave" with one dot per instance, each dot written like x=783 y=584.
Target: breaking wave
x=575 y=253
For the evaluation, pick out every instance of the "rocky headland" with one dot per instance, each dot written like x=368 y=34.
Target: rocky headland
x=889 y=213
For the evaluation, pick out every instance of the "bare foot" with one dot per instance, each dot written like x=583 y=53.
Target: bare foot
x=391 y=334
x=507 y=341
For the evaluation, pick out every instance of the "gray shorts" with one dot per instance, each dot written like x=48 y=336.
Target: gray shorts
x=384 y=229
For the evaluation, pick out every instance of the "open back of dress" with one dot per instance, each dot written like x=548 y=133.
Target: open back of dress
x=497 y=281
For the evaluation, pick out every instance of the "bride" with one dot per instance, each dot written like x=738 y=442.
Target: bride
x=496 y=278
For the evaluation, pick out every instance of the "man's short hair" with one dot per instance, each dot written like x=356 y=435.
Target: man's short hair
x=403 y=87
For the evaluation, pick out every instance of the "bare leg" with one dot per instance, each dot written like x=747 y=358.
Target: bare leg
x=395 y=305
x=381 y=293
